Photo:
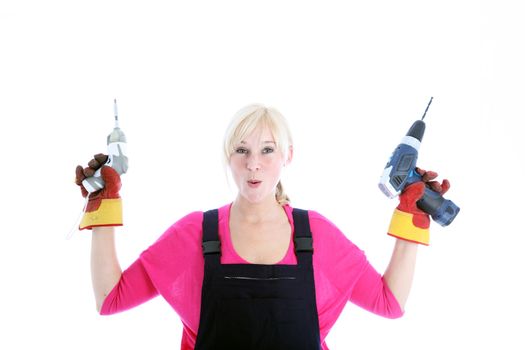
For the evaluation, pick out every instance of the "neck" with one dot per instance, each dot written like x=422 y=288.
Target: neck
x=256 y=212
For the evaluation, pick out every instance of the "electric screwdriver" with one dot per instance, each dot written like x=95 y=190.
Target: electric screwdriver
x=400 y=172
x=117 y=159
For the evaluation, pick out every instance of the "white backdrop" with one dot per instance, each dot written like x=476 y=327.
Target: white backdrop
x=351 y=77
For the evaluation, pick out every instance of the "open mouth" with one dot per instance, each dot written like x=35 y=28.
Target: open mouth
x=253 y=183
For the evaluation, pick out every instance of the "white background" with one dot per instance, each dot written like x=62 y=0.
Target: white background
x=350 y=77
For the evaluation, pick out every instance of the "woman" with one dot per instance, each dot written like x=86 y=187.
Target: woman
x=255 y=273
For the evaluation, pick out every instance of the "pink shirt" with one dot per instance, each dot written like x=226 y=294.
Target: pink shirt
x=174 y=268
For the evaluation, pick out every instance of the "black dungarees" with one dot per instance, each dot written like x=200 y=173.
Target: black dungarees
x=258 y=307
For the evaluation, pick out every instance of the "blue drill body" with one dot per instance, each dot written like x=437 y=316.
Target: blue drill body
x=400 y=172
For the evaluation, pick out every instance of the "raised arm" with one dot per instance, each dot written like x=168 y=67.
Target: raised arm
x=411 y=226
x=400 y=271
x=103 y=211
x=105 y=268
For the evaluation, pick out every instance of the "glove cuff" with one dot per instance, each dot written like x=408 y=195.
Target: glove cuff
x=402 y=226
x=109 y=213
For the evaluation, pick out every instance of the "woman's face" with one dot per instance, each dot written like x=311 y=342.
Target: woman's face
x=256 y=166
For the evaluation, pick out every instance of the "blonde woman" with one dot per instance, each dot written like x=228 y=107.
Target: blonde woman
x=255 y=273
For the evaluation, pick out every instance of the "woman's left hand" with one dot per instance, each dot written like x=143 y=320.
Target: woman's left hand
x=409 y=222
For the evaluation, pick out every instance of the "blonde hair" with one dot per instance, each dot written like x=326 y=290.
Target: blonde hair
x=248 y=119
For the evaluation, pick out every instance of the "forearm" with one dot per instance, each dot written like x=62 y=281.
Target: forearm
x=105 y=268
x=400 y=271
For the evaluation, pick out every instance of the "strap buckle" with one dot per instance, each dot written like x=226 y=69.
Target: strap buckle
x=211 y=247
x=303 y=244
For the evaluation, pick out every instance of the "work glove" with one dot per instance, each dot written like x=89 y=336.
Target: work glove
x=408 y=221
x=104 y=207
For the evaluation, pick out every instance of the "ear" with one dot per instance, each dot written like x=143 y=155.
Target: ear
x=289 y=156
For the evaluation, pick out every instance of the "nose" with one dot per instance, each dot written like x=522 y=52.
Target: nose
x=253 y=162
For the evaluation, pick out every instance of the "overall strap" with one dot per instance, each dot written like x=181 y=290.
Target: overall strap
x=302 y=237
x=211 y=245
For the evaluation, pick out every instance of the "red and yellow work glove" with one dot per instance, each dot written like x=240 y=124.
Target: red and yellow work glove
x=408 y=221
x=104 y=207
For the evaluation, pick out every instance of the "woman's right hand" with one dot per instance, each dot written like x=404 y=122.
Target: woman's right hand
x=104 y=207
x=82 y=173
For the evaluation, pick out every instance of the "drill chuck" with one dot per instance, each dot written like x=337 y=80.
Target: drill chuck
x=417 y=130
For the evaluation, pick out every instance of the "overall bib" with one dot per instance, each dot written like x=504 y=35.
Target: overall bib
x=258 y=307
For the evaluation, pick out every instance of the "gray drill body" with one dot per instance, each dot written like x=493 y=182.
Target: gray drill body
x=116 y=159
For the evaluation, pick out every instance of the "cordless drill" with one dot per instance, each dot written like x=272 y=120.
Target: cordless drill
x=117 y=159
x=400 y=172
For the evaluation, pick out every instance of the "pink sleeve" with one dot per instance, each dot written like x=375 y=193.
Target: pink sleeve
x=175 y=265
x=372 y=293
x=172 y=266
x=344 y=274
x=133 y=288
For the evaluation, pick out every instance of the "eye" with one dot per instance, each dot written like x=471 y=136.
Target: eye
x=267 y=150
x=241 y=150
